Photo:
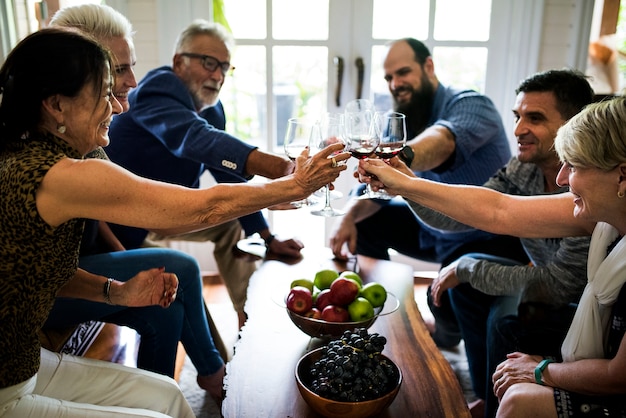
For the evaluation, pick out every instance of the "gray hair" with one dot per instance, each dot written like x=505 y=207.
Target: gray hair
x=204 y=27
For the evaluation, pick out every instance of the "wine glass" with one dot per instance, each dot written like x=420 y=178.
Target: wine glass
x=298 y=137
x=359 y=105
x=392 y=140
x=330 y=132
x=361 y=134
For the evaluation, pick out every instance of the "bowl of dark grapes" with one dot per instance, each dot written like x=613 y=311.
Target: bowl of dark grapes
x=349 y=377
x=334 y=302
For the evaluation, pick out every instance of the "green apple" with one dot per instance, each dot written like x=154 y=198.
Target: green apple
x=352 y=275
x=302 y=282
x=360 y=309
x=324 y=278
x=375 y=293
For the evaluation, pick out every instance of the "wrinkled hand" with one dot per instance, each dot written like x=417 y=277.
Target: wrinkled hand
x=312 y=173
x=517 y=368
x=383 y=175
x=150 y=287
x=289 y=247
x=344 y=232
x=447 y=279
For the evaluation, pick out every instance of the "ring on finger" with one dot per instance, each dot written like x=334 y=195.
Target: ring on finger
x=333 y=162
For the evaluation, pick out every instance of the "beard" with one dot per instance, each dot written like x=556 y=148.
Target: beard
x=419 y=108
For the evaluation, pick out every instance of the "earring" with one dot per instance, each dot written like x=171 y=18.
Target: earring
x=61 y=129
x=620 y=194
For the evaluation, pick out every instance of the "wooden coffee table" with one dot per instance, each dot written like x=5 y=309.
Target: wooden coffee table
x=260 y=378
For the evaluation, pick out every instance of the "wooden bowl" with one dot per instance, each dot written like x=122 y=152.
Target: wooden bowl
x=321 y=329
x=336 y=409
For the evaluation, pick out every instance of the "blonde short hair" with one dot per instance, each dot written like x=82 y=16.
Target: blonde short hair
x=596 y=137
x=100 y=21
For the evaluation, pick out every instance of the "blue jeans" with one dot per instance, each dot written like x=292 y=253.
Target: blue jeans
x=160 y=329
x=477 y=314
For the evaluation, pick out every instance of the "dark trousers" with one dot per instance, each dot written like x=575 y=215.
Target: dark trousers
x=395 y=226
x=536 y=329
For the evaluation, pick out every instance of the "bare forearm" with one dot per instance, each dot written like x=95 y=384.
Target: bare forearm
x=357 y=210
x=268 y=165
x=496 y=212
x=590 y=376
x=84 y=285
x=432 y=148
x=68 y=191
x=523 y=216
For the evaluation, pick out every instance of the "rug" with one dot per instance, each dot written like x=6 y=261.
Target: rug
x=201 y=403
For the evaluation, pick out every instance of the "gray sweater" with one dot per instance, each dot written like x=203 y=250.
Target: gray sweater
x=559 y=271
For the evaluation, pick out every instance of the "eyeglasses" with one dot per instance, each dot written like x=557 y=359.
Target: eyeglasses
x=210 y=63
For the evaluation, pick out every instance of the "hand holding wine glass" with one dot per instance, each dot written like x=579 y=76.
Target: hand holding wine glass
x=362 y=135
x=297 y=139
x=330 y=132
x=392 y=140
x=298 y=136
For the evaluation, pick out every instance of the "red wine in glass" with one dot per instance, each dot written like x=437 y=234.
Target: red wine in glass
x=361 y=153
x=388 y=151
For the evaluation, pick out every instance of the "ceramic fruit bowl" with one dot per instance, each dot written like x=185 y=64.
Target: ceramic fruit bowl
x=332 y=408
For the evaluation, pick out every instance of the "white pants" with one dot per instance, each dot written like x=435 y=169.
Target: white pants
x=71 y=386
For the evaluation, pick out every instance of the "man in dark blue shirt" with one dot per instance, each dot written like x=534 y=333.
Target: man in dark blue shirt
x=174 y=131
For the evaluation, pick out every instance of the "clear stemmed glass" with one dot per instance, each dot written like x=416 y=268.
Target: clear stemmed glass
x=330 y=132
x=359 y=105
x=361 y=134
x=297 y=138
x=392 y=139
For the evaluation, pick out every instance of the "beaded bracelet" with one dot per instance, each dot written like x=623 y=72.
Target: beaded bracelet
x=106 y=291
x=539 y=370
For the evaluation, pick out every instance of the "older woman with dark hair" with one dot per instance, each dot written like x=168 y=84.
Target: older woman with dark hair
x=56 y=107
x=591 y=379
x=160 y=330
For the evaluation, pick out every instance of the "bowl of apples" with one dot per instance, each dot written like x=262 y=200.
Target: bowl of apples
x=349 y=377
x=334 y=302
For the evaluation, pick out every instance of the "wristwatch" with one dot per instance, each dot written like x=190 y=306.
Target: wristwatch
x=539 y=370
x=406 y=154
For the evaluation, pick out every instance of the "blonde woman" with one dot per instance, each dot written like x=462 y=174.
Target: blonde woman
x=591 y=380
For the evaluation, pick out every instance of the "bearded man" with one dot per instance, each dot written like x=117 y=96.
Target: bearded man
x=456 y=136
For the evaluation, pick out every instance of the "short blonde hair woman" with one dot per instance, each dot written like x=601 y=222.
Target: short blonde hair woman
x=592 y=377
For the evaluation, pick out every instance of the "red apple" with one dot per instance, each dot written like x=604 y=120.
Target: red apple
x=323 y=299
x=299 y=300
x=334 y=313
x=314 y=313
x=343 y=291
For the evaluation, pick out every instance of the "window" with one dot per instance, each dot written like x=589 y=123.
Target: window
x=291 y=47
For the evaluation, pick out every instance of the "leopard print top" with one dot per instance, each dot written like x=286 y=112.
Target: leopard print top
x=35 y=259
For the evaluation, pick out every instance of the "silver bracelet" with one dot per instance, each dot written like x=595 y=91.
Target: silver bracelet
x=106 y=291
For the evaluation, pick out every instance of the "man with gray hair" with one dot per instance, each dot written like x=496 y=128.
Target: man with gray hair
x=174 y=131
